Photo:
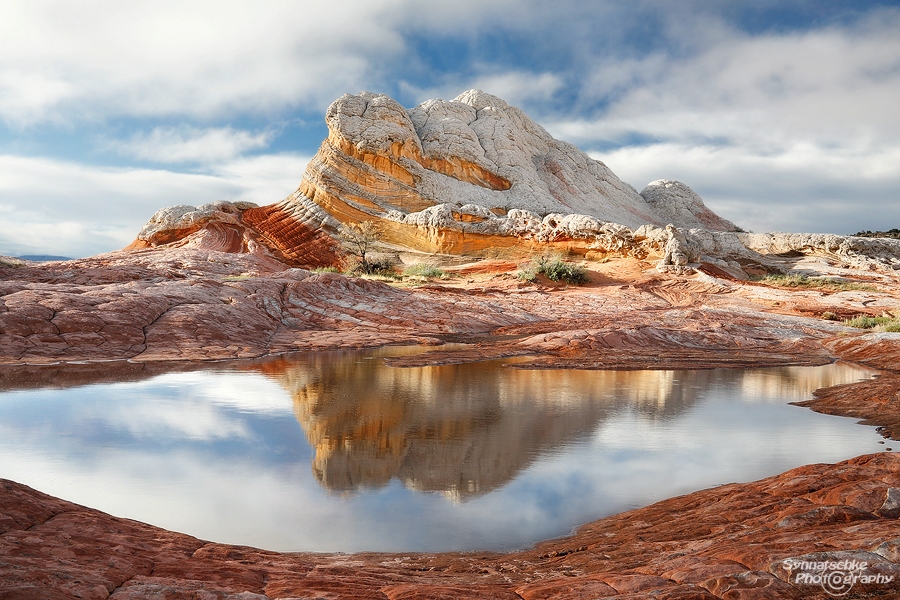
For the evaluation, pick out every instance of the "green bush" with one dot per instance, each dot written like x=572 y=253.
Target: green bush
x=556 y=269
x=423 y=270
x=865 y=322
x=795 y=280
x=528 y=274
x=877 y=323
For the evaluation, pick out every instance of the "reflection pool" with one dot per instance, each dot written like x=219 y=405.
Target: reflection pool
x=337 y=451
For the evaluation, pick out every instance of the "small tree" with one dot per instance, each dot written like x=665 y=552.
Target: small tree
x=358 y=239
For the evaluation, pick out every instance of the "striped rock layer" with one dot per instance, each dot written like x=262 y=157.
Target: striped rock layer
x=473 y=173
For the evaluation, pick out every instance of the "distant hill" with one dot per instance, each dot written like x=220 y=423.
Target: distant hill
x=890 y=233
x=43 y=257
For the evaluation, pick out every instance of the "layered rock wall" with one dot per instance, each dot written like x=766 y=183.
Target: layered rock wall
x=444 y=175
x=475 y=175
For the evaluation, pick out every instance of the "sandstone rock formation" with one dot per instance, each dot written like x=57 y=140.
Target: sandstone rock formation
x=679 y=252
x=296 y=235
x=461 y=175
x=677 y=203
x=475 y=175
x=188 y=303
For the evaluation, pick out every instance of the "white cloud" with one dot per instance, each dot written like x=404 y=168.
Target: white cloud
x=63 y=61
x=823 y=86
x=771 y=119
x=102 y=58
x=191 y=144
x=72 y=209
x=793 y=132
x=263 y=179
x=801 y=187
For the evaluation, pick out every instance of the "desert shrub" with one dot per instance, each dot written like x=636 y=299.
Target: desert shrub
x=890 y=233
x=528 y=273
x=554 y=269
x=795 y=280
x=559 y=270
x=423 y=270
x=378 y=268
x=326 y=270
x=862 y=322
x=791 y=280
x=358 y=240
x=876 y=323
x=829 y=316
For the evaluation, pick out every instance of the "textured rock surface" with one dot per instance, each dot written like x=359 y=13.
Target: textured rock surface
x=472 y=173
x=732 y=541
x=477 y=176
x=293 y=231
x=183 y=301
x=856 y=252
x=191 y=304
x=676 y=203
x=186 y=303
x=176 y=222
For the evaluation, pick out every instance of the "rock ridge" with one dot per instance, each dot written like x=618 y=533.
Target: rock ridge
x=445 y=166
x=475 y=175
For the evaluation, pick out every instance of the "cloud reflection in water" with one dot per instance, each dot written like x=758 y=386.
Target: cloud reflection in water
x=522 y=455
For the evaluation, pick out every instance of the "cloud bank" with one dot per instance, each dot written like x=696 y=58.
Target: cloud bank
x=780 y=115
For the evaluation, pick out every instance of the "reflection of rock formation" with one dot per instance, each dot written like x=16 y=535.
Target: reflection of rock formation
x=795 y=384
x=467 y=429
x=463 y=429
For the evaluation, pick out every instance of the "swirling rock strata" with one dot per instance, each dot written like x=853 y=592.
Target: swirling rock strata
x=471 y=173
x=294 y=231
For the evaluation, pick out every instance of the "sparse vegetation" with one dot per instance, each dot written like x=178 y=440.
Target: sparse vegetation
x=423 y=270
x=377 y=269
x=795 y=280
x=326 y=270
x=528 y=273
x=380 y=270
x=554 y=269
x=883 y=323
x=357 y=240
x=559 y=270
x=890 y=233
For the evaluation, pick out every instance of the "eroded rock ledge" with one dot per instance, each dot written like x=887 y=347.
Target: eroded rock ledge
x=732 y=541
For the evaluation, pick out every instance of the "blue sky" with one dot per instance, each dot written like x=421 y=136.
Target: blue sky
x=781 y=115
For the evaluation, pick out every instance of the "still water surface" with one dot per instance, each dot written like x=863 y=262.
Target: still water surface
x=338 y=452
